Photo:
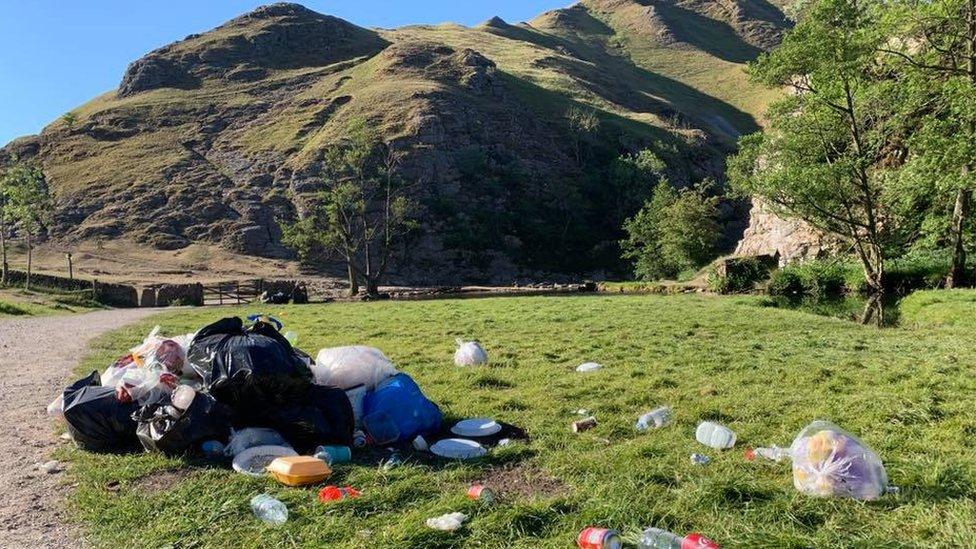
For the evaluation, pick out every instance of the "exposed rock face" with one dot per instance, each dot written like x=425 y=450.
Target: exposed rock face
x=793 y=240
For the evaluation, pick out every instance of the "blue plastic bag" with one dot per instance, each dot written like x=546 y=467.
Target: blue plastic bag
x=398 y=411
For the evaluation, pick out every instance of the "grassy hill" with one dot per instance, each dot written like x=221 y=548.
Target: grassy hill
x=218 y=137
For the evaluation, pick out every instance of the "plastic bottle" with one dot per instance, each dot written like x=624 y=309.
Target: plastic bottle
x=655 y=538
x=268 y=509
x=773 y=453
x=657 y=418
x=700 y=459
x=358 y=438
x=715 y=435
x=334 y=454
x=395 y=460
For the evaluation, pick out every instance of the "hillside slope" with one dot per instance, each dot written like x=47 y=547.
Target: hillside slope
x=218 y=137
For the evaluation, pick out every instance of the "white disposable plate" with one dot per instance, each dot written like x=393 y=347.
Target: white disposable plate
x=254 y=461
x=458 y=448
x=588 y=367
x=476 y=427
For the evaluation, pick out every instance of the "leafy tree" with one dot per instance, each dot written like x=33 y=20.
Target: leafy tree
x=69 y=118
x=825 y=156
x=583 y=124
x=362 y=213
x=675 y=231
x=26 y=204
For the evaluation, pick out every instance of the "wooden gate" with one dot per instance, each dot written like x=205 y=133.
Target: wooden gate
x=235 y=292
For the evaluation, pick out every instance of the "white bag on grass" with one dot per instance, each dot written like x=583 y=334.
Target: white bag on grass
x=346 y=367
x=470 y=353
x=829 y=461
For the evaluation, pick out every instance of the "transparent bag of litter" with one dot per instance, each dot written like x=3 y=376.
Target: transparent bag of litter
x=347 y=367
x=830 y=462
x=469 y=353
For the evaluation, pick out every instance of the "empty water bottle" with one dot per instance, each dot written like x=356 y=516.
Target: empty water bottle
x=656 y=418
x=655 y=538
x=268 y=509
x=715 y=435
x=773 y=453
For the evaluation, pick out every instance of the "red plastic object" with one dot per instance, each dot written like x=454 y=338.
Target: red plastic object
x=698 y=541
x=598 y=538
x=335 y=493
x=749 y=454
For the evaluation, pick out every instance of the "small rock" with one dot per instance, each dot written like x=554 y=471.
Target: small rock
x=51 y=467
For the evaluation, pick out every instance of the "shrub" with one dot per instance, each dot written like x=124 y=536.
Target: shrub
x=742 y=275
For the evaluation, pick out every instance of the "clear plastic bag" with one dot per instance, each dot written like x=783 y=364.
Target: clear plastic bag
x=347 y=367
x=252 y=437
x=470 y=353
x=830 y=462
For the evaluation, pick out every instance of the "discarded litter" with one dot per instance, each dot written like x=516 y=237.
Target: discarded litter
x=458 y=448
x=347 y=367
x=584 y=424
x=715 y=435
x=700 y=459
x=588 y=367
x=165 y=427
x=395 y=460
x=480 y=493
x=96 y=420
x=398 y=411
x=656 y=538
x=213 y=450
x=829 y=461
x=336 y=493
x=599 y=538
x=269 y=509
x=334 y=454
x=504 y=442
x=254 y=461
x=299 y=470
x=420 y=444
x=476 y=427
x=656 y=418
x=252 y=436
x=447 y=523
x=470 y=353
x=773 y=453
x=358 y=438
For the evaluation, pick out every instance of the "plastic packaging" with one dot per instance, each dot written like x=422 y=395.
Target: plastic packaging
x=251 y=437
x=715 y=435
x=773 y=453
x=588 y=367
x=97 y=421
x=398 y=411
x=700 y=459
x=470 y=353
x=599 y=538
x=299 y=470
x=420 y=444
x=323 y=416
x=347 y=367
x=165 y=428
x=334 y=454
x=829 y=461
x=335 y=493
x=213 y=450
x=254 y=461
x=655 y=538
x=584 y=424
x=656 y=418
x=458 y=448
x=268 y=509
x=56 y=407
x=447 y=523
x=356 y=395
x=395 y=460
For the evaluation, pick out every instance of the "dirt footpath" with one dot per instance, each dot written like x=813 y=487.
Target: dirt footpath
x=36 y=358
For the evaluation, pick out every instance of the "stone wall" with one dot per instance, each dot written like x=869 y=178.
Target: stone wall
x=172 y=294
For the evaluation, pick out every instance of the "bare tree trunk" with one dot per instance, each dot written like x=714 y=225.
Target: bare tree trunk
x=5 y=267
x=957 y=272
x=30 y=257
x=353 y=280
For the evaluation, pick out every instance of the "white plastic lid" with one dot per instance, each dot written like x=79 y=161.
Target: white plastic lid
x=254 y=461
x=476 y=427
x=458 y=448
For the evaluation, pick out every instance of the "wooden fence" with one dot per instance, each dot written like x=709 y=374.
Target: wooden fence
x=239 y=292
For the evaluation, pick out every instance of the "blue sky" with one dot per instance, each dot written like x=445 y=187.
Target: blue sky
x=57 y=54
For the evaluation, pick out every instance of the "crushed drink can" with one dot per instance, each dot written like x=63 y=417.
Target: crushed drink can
x=479 y=492
x=697 y=541
x=599 y=538
x=584 y=424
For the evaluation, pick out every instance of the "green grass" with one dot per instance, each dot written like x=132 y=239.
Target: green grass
x=36 y=302
x=940 y=308
x=765 y=372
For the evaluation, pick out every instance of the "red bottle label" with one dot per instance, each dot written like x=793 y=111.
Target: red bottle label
x=698 y=541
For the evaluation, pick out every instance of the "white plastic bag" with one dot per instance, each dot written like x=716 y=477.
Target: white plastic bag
x=448 y=522
x=829 y=461
x=251 y=437
x=470 y=353
x=56 y=407
x=346 y=367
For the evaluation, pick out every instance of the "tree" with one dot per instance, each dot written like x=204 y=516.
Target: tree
x=362 y=214
x=69 y=118
x=583 y=123
x=825 y=154
x=674 y=232
x=934 y=45
x=27 y=205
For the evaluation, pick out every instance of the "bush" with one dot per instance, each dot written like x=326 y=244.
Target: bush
x=742 y=275
x=815 y=279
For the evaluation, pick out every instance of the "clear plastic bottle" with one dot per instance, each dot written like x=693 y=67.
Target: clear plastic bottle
x=655 y=538
x=657 y=418
x=268 y=509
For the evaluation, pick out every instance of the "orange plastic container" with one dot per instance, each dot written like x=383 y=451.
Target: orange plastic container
x=299 y=470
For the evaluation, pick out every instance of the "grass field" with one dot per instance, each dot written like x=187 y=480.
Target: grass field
x=765 y=372
x=19 y=302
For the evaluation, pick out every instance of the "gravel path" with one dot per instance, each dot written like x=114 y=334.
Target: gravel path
x=37 y=356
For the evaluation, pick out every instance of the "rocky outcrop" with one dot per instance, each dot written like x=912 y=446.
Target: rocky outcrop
x=793 y=240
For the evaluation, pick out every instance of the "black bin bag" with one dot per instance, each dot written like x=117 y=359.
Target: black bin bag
x=164 y=428
x=323 y=417
x=96 y=420
x=251 y=370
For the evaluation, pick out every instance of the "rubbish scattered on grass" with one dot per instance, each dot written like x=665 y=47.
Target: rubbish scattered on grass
x=213 y=450
x=348 y=367
x=700 y=459
x=829 y=461
x=335 y=493
x=97 y=421
x=504 y=442
x=656 y=538
x=250 y=437
x=476 y=427
x=447 y=523
x=356 y=395
x=588 y=367
x=773 y=453
x=582 y=412
x=715 y=435
x=269 y=509
x=420 y=444
x=395 y=460
x=599 y=538
x=584 y=424
x=254 y=461
x=656 y=418
x=358 y=439
x=166 y=428
x=51 y=467
x=299 y=470
x=469 y=353
x=398 y=411
x=480 y=493
x=458 y=448
x=334 y=454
